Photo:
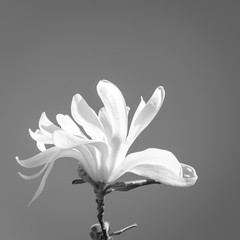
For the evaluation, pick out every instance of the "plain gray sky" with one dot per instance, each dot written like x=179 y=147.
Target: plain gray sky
x=51 y=50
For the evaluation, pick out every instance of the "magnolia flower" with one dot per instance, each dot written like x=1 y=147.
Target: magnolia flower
x=101 y=144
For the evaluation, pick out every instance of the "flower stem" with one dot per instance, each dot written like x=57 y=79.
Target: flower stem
x=99 y=189
x=100 y=207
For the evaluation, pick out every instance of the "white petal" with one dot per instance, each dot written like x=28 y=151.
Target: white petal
x=38 y=136
x=164 y=175
x=68 y=125
x=83 y=157
x=42 y=184
x=39 y=159
x=65 y=140
x=41 y=146
x=87 y=118
x=156 y=164
x=115 y=105
x=46 y=126
x=128 y=110
x=89 y=163
x=99 y=151
x=139 y=109
x=105 y=122
x=35 y=175
x=145 y=114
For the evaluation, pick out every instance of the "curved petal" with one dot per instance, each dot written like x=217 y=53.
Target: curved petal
x=54 y=153
x=115 y=105
x=68 y=125
x=46 y=126
x=145 y=114
x=34 y=175
x=65 y=140
x=40 y=159
x=140 y=107
x=84 y=159
x=160 y=165
x=87 y=118
x=43 y=182
x=38 y=136
x=163 y=175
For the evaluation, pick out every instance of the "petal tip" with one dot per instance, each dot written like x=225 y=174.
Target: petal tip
x=189 y=174
x=59 y=117
x=161 y=91
x=104 y=81
x=23 y=176
x=157 y=97
x=77 y=97
x=30 y=203
x=32 y=134
x=43 y=114
x=142 y=100
x=20 y=162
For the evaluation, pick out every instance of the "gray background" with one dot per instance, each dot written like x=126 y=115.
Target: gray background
x=51 y=50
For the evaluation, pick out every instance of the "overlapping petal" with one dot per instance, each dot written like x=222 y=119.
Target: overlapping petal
x=42 y=183
x=115 y=105
x=38 y=136
x=145 y=114
x=36 y=175
x=64 y=140
x=41 y=146
x=87 y=118
x=157 y=164
x=98 y=150
x=91 y=161
x=68 y=125
x=100 y=153
x=40 y=159
x=48 y=157
x=46 y=126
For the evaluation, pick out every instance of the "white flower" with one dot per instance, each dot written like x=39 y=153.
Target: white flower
x=102 y=149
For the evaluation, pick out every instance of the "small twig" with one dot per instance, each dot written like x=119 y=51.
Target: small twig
x=96 y=231
x=123 y=230
x=126 y=186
